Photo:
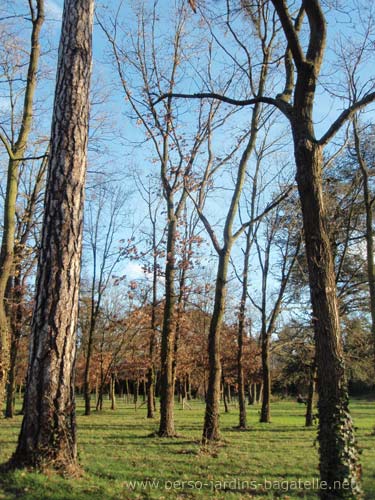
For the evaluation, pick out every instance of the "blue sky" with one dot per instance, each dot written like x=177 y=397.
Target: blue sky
x=118 y=153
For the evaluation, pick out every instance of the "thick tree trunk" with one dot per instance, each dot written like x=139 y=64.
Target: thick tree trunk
x=48 y=433
x=211 y=419
x=339 y=460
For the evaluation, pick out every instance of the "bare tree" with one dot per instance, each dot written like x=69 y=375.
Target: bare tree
x=152 y=70
x=103 y=210
x=289 y=245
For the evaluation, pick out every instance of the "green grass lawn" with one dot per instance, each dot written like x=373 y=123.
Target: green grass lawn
x=115 y=448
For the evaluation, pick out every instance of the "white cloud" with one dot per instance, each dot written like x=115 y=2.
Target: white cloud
x=134 y=271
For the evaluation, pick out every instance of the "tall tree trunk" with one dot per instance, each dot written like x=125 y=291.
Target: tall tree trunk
x=368 y=202
x=48 y=433
x=16 y=152
x=151 y=369
x=16 y=331
x=166 y=427
x=265 y=413
x=211 y=418
x=339 y=460
x=241 y=335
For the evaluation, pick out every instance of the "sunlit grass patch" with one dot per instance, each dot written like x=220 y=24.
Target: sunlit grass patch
x=121 y=460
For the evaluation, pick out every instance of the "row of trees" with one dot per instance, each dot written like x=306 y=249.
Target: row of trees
x=224 y=183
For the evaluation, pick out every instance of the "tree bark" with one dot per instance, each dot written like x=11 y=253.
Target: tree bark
x=48 y=433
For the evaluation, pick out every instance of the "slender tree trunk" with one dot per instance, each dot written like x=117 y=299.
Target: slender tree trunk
x=151 y=368
x=309 y=420
x=11 y=386
x=16 y=331
x=16 y=151
x=48 y=433
x=240 y=373
x=225 y=399
x=112 y=389
x=265 y=413
x=86 y=380
x=250 y=394
x=136 y=393
x=166 y=427
x=368 y=202
x=188 y=387
x=254 y=393
x=127 y=392
x=150 y=392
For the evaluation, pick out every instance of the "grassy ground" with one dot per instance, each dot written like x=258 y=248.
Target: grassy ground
x=115 y=449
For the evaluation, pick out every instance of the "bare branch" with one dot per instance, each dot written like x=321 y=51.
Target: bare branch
x=283 y=106
x=290 y=32
x=346 y=115
x=268 y=209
